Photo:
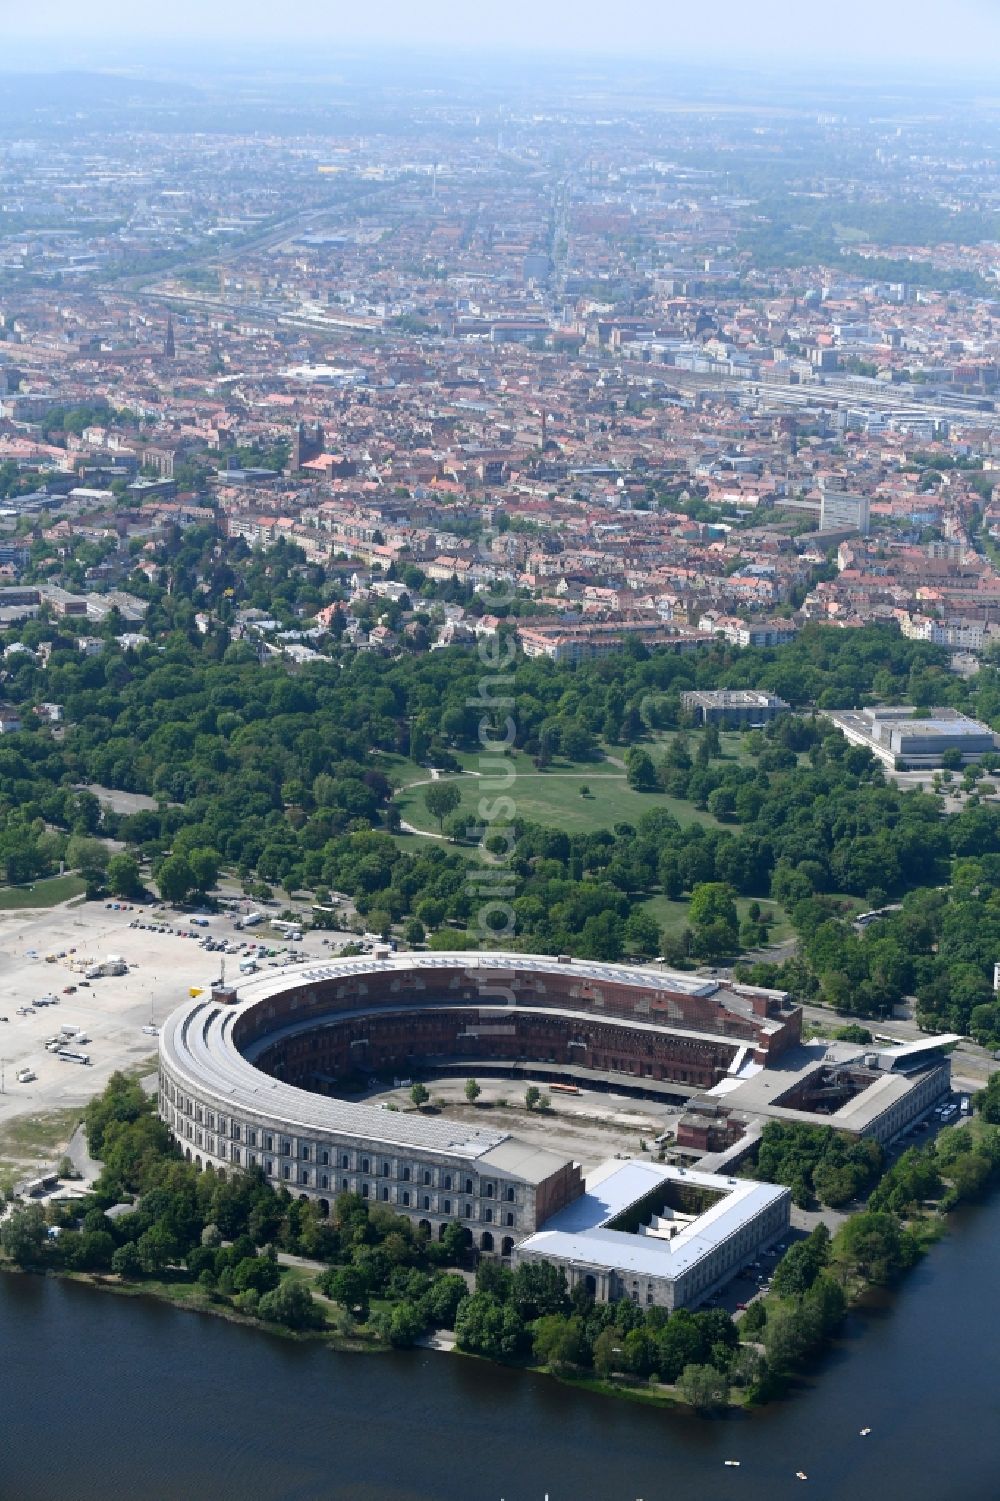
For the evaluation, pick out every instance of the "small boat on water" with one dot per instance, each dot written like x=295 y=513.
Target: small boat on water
x=732 y=1464
x=801 y=1475
x=865 y=1432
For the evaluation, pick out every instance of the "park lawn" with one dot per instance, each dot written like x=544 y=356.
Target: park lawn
x=405 y=773
x=553 y=798
x=524 y=765
x=673 y=916
x=731 y=742
x=42 y=894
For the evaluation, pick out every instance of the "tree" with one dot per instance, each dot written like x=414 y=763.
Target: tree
x=405 y=1325
x=472 y=1091
x=89 y=857
x=292 y=1304
x=609 y=1352
x=23 y=1235
x=703 y=1387
x=123 y=1100
x=93 y=1251
x=455 y=1243
x=419 y=1095
x=801 y=1264
x=348 y=1286
x=258 y=1272
x=539 y=1288
x=175 y=878
x=787 y=1337
x=642 y=934
x=204 y=865
x=441 y=799
x=445 y=1298
x=532 y=1095
x=124 y=879
x=156 y=1248
x=126 y=1262
x=712 y=901
x=560 y=1342
x=874 y=1247
x=640 y=771
x=722 y=804
x=678 y=1345
x=484 y=1326
x=987 y=1101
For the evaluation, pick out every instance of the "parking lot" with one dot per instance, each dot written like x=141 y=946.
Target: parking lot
x=46 y=953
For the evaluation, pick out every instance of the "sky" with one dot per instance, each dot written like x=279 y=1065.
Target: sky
x=930 y=33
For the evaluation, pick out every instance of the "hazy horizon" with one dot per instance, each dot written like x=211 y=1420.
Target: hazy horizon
x=894 y=34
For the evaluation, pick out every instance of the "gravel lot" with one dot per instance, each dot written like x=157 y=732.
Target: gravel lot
x=589 y=1127
x=112 y=1010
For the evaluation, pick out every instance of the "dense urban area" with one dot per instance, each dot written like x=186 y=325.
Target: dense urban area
x=533 y=521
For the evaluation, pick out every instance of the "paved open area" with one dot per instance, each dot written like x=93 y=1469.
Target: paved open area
x=164 y=958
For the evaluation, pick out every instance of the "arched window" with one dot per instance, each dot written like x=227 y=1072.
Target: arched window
x=406 y=1197
x=508 y=1245
x=468 y=1185
x=406 y=1175
x=427 y=1177
x=487 y=1241
x=489 y=1190
x=447 y=1180
x=365 y=1165
x=427 y=1201
x=488 y=1216
x=447 y=1206
x=510 y=1196
x=364 y=1190
x=345 y=1161
x=510 y=1218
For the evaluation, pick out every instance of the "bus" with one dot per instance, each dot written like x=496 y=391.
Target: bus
x=68 y=1056
x=565 y=1088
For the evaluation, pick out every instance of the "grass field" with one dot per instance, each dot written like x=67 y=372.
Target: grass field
x=550 y=797
x=672 y=916
x=42 y=894
x=730 y=741
x=28 y=1139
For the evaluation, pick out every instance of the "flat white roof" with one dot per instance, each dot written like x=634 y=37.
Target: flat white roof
x=578 y=1232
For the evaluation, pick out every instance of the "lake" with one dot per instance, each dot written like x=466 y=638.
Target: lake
x=106 y=1397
